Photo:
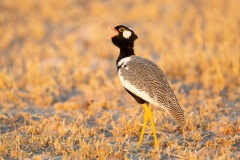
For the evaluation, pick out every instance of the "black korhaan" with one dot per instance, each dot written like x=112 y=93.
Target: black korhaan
x=144 y=80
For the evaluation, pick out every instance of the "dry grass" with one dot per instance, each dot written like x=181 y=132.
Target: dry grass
x=60 y=96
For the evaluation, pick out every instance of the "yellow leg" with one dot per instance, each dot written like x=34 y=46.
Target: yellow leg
x=144 y=128
x=148 y=114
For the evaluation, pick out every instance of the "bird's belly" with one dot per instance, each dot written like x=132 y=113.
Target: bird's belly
x=140 y=93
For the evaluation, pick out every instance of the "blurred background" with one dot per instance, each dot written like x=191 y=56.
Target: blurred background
x=47 y=45
x=54 y=56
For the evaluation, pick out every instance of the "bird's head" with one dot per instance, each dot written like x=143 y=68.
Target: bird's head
x=125 y=36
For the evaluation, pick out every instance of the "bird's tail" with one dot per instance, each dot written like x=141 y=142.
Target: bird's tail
x=178 y=114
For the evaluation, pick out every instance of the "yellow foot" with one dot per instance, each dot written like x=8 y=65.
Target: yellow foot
x=135 y=149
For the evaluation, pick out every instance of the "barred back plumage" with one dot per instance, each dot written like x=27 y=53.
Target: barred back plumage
x=147 y=77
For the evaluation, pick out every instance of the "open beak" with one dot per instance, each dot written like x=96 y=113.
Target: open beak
x=112 y=28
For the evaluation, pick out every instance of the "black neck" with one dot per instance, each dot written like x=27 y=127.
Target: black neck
x=125 y=51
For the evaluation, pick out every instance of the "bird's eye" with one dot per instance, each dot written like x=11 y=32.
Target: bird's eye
x=121 y=29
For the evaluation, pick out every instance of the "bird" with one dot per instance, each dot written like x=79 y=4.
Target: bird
x=144 y=81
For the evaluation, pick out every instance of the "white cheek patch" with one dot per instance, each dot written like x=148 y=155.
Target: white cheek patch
x=126 y=34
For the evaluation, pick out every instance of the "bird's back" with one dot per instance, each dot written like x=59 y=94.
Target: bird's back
x=146 y=80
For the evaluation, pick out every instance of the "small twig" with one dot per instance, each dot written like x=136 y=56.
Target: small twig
x=176 y=156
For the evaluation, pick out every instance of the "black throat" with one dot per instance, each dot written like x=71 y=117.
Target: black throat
x=125 y=51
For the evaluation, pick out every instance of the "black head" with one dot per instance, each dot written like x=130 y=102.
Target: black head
x=125 y=36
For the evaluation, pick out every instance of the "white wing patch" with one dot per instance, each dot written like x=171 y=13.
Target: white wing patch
x=135 y=90
x=124 y=61
x=127 y=34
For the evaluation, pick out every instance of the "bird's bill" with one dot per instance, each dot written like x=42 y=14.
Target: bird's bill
x=112 y=28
